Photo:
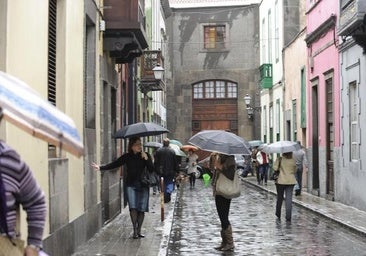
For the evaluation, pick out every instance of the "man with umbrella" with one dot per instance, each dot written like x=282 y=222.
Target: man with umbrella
x=167 y=166
x=300 y=159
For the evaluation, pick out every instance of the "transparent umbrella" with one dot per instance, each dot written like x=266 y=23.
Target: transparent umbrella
x=177 y=150
x=283 y=146
x=220 y=141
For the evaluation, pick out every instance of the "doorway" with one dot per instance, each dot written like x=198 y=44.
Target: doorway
x=315 y=138
x=330 y=139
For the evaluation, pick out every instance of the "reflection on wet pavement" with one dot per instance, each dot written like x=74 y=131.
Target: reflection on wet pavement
x=196 y=227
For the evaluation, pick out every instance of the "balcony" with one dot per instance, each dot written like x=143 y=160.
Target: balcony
x=148 y=82
x=352 y=17
x=125 y=36
x=352 y=21
x=266 y=76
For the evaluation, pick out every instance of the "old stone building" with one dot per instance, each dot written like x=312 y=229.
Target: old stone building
x=214 y=63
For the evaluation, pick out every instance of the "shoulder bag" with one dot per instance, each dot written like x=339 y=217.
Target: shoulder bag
x=228 y=188
x=276 y=173
x=149 y=179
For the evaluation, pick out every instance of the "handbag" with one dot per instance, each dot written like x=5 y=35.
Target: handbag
x=228 y=188
x=276 y=173
x=149 y=179
x=13 y=247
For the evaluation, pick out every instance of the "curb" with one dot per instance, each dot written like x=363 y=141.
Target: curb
x=317 y=210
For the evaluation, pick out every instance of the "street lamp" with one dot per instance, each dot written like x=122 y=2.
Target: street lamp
x=158 y=72
x=250 y=108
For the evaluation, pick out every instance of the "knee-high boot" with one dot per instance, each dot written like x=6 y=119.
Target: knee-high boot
x=228 y=234
x=140 y=220
x=223 y=242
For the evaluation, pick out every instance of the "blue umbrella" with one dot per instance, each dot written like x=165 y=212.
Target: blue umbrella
x=25 y=108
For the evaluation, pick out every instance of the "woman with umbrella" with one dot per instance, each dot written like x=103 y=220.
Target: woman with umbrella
x=137 y=193
x=222 y=164
x=285 y=183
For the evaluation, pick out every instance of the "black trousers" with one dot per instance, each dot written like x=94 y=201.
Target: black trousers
x=223 y=208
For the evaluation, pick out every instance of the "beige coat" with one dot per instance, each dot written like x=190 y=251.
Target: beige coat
x=287 y=171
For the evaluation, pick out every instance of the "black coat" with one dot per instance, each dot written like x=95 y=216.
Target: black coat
x=166 y=163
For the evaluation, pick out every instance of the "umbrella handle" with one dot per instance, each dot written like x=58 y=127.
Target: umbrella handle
x=162 y=198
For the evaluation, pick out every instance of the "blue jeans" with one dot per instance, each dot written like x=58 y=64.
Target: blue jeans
x=286 y=190
x=138 y=198
x=263 y=171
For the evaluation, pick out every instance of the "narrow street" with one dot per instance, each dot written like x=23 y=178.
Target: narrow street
x=196 y=227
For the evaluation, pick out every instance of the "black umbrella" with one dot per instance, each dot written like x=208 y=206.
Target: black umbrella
x=220 y=141
x=140 y=130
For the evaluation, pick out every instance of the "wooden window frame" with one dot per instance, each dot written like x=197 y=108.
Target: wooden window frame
x=215 y=89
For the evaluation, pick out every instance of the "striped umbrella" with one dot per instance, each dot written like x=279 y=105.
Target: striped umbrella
x=26 y=109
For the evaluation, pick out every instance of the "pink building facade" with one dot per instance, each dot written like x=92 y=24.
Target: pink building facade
x=323 y=99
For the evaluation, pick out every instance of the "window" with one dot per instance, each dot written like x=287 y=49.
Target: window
x=277 y=33
x=270 y=116
x=303 y=99
x=198 y=91
x=263 y=42
x=214 y=36
x=232 y=90
x=269 y=25
x=220 y=89
x=215 y=89
x=354 y=126
x=265 y=123
x=210 y=89
x=278 y=113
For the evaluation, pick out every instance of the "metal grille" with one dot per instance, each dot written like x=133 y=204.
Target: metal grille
x=52 y=19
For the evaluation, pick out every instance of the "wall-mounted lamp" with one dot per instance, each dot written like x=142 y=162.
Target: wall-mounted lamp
x=250 y=108
x=158 y=72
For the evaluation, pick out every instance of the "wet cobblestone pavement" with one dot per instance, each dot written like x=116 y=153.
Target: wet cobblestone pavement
x=196 y=227
x=191 y=227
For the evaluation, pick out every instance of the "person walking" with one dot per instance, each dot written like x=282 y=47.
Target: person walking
x=223 y=165
x=255 y=164
x=300 y=160
x=156 y=187
x=263 y=165
x=285 y=183
x=137 y=194
x=192 y=167
x=166 y=165
x=19 y=187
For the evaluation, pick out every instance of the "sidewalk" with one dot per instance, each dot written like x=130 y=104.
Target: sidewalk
x=115 y=239
x=347 y=216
